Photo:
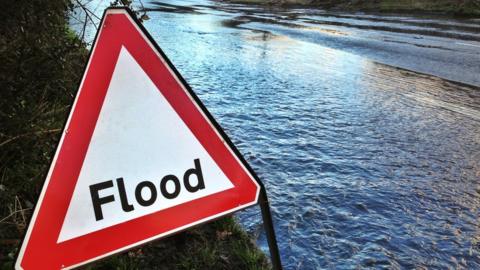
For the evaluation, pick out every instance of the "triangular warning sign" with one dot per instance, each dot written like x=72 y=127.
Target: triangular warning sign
x=140 y=158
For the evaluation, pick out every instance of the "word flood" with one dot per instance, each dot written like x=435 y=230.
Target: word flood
x=150 y=186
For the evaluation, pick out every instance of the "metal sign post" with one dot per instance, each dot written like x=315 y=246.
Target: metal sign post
x=269 y=230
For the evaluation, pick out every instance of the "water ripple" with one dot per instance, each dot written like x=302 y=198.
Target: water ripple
x=367 y=166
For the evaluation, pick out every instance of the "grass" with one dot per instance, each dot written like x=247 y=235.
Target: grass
x=42 y=62
x=221 y=244
x=453 y=7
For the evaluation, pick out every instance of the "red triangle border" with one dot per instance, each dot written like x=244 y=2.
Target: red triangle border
x=40 y=248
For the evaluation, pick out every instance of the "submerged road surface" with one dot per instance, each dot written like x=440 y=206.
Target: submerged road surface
x=366 y=165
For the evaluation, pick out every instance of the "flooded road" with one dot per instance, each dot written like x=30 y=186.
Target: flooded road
x=366 y=165
x=434 y=45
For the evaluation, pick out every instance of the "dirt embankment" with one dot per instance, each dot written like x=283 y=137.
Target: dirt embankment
x=452 y=7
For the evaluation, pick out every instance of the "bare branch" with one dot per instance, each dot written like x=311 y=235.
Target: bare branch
x=28 y=134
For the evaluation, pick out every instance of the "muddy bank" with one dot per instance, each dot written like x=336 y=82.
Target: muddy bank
x=468 y=8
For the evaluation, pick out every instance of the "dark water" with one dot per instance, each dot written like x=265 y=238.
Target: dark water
x=366 y=165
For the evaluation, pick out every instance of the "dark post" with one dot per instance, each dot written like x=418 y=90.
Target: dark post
x=269 y=231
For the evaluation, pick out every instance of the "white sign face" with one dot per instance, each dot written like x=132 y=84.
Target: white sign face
x=138 y=140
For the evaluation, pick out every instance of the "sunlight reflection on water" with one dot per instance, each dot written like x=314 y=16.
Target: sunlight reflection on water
x=366 y=165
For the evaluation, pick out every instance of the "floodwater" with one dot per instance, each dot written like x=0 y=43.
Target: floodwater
x=366 y=165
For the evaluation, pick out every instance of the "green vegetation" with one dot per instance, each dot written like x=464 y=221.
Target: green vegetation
x=452 y=7
x=221 y=244
x=42 y=61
